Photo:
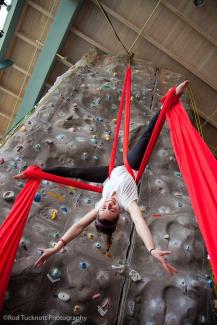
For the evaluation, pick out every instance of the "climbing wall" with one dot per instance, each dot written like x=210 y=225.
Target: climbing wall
x=74 y=125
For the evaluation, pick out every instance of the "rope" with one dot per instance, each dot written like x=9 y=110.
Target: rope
x=30 y=65
x=195 y=111
x=110 y=23
x=152 y=13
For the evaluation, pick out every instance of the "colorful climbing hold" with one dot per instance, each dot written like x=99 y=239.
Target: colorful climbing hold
x=98 y=245
x=84 y=265
x=37 y=197
x=90 y=235
x=53 y=214
x=63 y=296
x=8 y=196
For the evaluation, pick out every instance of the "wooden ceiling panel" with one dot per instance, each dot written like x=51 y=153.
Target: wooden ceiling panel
x=137 y=11
x=39 y=24
x=3 y=125
x=202 y=16
x=7 y=103
x=22 y=54
x=90 y=15
x=74 y=47
x=12 y=80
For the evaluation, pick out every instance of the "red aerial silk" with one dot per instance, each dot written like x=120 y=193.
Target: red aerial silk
x=199 y=170
x=12 y=228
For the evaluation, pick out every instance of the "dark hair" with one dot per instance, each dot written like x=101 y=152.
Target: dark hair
x=106 y=227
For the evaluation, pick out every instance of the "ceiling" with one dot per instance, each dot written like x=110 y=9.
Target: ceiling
x=177 y=36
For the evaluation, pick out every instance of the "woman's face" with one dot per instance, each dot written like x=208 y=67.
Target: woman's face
x=109 y=209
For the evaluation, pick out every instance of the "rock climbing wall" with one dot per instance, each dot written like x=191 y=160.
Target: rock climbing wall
x=74 y=126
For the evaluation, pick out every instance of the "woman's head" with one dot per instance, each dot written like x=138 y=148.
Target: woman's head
x=107 y=218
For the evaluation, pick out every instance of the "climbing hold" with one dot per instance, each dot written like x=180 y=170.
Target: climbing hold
x=87 y=200
x=23 y=128
x=103 y=309
x=63 y=296
x=84 y=156
x=98 y=245
x=109 y=97
x=8 y=196
x=179 y=204
x=178 y=174
x=210 y=283
x=2 y=161
x=90 y=235
x=94 y=141
x=23 y=244
x=64 y=209
x=37 y=197
x=114 y=121
x=54 y=275
x=107 y=254
x=60 y=136
x=106 y=137
x=56 y=235
x=96 y=296
x=77 y=309
x=53 y=214
x=96 y=157
x=19 y=147
x=84 y=265
x=114 y=107
x=13 y=164
x=37 y=147
x=142 y=208
x=166 y=236
x=20 y=185
x=215 y=303
x=135 y=276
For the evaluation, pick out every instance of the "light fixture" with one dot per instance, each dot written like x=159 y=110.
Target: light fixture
x=6 y=63
x=199 y=3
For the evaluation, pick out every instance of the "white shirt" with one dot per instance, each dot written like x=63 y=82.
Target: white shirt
x=123 y=184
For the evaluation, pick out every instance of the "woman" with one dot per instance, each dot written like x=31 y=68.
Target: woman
x=119 y=192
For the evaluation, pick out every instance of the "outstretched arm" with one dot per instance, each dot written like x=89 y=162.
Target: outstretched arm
x=145 y=234
x=69 y=235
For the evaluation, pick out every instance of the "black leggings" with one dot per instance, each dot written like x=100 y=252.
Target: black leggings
x=100 y=173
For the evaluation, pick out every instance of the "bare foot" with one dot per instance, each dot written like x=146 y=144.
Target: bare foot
x=181 y=88
x=19 y=176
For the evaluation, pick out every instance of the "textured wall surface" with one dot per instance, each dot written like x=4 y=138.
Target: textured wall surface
x=73 y=126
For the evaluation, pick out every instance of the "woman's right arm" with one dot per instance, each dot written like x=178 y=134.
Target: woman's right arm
x=69 y=235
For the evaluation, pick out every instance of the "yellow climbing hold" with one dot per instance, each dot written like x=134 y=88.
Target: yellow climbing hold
x=56 y=196
x=90 y=235
x=77 y=309
x=53 y=214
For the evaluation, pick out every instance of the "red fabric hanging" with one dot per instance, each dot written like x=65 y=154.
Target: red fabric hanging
x=199 y=170
x=12 y=228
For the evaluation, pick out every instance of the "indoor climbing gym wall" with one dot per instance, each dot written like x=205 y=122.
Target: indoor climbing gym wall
x=73 y=125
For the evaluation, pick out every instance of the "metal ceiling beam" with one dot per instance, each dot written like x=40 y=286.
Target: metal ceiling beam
x=64 y=17
x=10 y=25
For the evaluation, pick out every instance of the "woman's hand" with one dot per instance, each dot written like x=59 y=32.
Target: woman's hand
x=43 y=258
x=19 y=176
x=180 y=89
x=159 y=255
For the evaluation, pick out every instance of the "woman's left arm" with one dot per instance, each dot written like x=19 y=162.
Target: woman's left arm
x=146 y=236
